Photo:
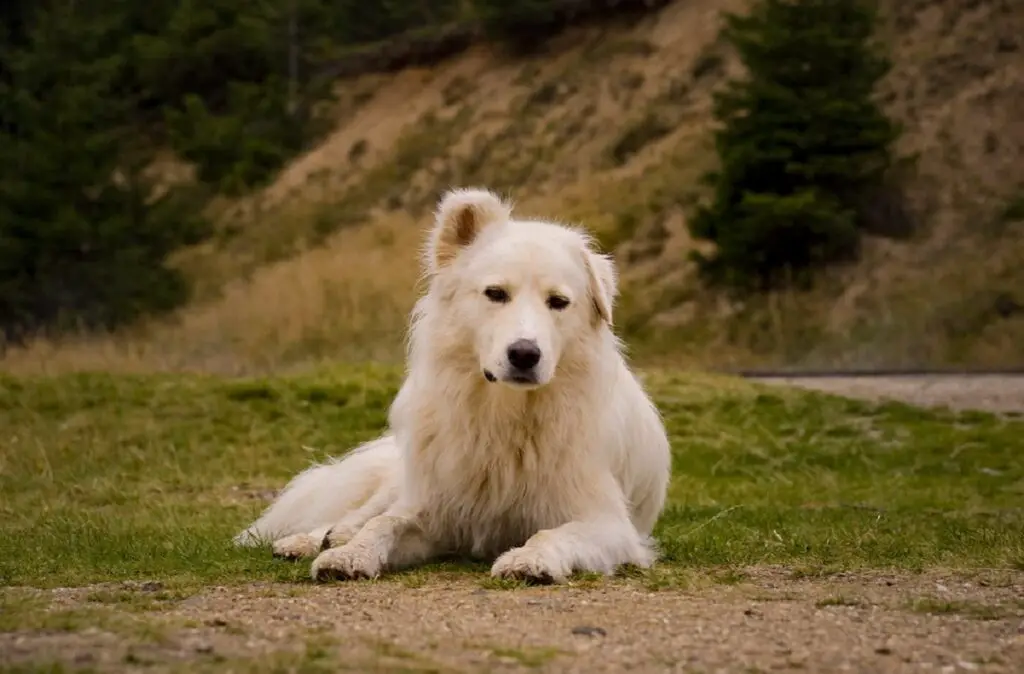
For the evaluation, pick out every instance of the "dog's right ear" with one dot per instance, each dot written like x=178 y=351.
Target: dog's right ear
x=604 y=286
x=461 y=215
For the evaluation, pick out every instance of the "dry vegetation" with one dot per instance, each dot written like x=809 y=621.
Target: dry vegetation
x=610 y=127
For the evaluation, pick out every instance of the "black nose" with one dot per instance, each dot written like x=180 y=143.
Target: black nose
x=523 y=354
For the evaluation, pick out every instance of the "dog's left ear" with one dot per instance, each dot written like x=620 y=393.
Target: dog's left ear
x=461 y=216
x=603 y=283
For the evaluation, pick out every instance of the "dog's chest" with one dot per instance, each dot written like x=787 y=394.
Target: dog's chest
x=485 y=497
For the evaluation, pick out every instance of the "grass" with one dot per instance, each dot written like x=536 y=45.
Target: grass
x=133 y=485
x=837 y=600
x=110 y=478
x=147 y=477
x=533 y=657
x=967 y=609
x=30 y=613
x=332 y=300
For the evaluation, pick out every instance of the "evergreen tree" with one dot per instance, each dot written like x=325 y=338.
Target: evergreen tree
x=80 y=242
x=801 y=142
x=89 y=89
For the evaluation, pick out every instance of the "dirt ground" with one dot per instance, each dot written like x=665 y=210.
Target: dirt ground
x=995 y=393
x=769 y=620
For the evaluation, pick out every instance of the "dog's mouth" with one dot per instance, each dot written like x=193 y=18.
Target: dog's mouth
x=523 y=379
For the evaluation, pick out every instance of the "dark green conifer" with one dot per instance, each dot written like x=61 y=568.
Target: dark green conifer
x=801 y=143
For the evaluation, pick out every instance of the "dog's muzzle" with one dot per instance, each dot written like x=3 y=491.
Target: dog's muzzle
x=523 y=355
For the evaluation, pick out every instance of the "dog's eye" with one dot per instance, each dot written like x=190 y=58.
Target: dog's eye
x=496 y=294
x=557 y=302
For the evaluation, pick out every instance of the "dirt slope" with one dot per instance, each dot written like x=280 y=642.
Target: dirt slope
x=611 y=126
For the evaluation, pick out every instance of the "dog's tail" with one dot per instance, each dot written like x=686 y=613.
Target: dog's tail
x=323 y=494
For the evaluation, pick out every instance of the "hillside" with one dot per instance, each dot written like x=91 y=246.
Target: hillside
x=610 y=126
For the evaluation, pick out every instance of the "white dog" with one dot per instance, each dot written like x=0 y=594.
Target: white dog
x=519 y=433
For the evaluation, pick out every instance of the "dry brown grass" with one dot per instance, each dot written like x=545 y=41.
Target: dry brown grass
x=611 y=128
x=347 y=300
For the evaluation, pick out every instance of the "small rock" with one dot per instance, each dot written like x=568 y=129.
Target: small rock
x=751 y=613
x=883 y=650
x=1005 y=44
x=217 y=622
x=589 y=631
x=151 y=586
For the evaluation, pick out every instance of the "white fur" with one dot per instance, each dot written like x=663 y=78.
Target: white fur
x=565 y=470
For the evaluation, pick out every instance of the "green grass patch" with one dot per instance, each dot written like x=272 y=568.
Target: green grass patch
x=837 y=600
x=30 y=613
x=527 y=657
x=147 y=478
x=966 y=609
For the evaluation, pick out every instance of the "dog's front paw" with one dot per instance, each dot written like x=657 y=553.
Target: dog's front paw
x=345 y=563
x=530 y=563
x=337 y=537
x=296 y=546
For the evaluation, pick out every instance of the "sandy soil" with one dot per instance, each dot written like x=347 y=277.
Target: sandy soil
x=769 y=621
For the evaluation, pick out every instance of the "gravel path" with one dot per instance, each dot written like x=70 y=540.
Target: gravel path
x=770 y=620
x=995 y=393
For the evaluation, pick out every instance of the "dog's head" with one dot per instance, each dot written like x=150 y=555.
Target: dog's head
x=519 y=294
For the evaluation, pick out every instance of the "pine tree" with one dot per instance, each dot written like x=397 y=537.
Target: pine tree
x=800 y=145
x=80 y=241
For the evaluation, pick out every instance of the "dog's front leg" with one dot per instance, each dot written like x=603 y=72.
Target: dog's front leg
x=297 y=546
x=598 y=540
x=389 y=541
x=552 y=555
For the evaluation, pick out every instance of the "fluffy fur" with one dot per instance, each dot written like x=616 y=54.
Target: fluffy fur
x=519 y=434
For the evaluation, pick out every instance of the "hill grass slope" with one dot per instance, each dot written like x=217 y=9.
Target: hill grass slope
x=610 y=126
